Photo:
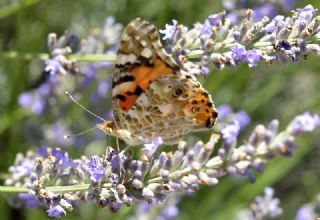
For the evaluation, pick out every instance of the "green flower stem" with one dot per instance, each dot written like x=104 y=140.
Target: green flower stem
x=54 y=189
x=13 y=189
x=93 y=57
x=23 y=55
x=44 y=56
x=65 y=189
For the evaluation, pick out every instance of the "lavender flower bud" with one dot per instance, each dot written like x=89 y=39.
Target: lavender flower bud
x=164 y=174
x=214 y=162
x=137 y=184
x=147 y=192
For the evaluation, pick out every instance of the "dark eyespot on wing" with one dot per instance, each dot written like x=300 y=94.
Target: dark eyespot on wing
x=121 y=97
x=208 y=123
x=194 y=102
x=205 y=94
x=215 y=114
x=148 y=64
x=136 y=92
x=126 y=78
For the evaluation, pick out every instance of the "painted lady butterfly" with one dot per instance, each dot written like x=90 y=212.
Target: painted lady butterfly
x=152 y=96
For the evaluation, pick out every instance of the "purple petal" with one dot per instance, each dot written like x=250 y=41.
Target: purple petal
x=95 y=169
x=307 y=12
x=224 y=111
x=170 y=211
x=242 y=118
x=25 y=99
x=230 y=132
x=238 y=52
x=52 y=66
x=153 y=146
x=253 y=57
x=29 y=200
x=264 y=10
x=169 y=30
x=56 y=211
x=305 y=213
x=303 y=122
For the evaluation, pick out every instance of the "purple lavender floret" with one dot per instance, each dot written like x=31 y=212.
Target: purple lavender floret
x=227 y=116
x=264 y=10
x=267 y=206
x=169 y=31
x=224 y=111
x=29 y=200
x=239 y=52
x=242 y=118
x=230 y=132
x=157 y=210
x=153 y=146
x=253 y=57
x=56 y=211
x=305 y=213
x=95 y=169
x=53 y=66
x=303 y=122
x=32 y=101
x=310 y=210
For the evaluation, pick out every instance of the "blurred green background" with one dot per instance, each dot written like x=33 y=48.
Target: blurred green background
x=265 y=92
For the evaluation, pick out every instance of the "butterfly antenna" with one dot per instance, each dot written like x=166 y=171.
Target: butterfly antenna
x=80 y=133
x=84 y=108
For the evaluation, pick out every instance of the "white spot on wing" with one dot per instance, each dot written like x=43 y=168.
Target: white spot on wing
x=146 y=52
x=125 y=36
x=166 y=109
x=143 y=43
x=124 y=58
x=143 y=100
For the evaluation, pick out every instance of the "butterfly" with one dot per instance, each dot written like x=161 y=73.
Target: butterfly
x=152 y=96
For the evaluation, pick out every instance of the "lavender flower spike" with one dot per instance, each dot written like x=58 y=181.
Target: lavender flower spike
x=222 y=43
x=264 y=144
x=116 y=179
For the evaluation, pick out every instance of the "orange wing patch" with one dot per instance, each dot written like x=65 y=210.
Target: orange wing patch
x=201 y=108
x=143 y=77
